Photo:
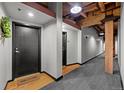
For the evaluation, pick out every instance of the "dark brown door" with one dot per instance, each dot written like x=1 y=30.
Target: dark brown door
x=26 y=50
x=64 y=48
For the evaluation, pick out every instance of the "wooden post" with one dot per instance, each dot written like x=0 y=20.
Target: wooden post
x=109 y=47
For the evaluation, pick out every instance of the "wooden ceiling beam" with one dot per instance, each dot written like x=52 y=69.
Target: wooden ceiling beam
x=100 y=29
x=91 y=7
x=43 y=4
x=105 y=3
x=95 y=27
x=83 y=14
x=117 y=4
x=94 y=14
x=101 y=6
x=114 y=11
x=92 y=20
x=86 y=4
x=66 y=9
x=117 y=12
x=113 y=8
x=99 y=16
x=71 y=23
x=40 y=8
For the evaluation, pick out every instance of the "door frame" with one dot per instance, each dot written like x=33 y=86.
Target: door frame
x=13 y=46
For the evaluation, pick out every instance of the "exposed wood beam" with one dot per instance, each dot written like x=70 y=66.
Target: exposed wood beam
x=99 y=28
x=105 y=3
x=108 y=18
x=117 y=4
x=66 y=9
x=93 y=8
x=109 y=46
x=86 y=4
x=114 y=11
x=92 y=20
x=95 y=27
x=40 y=8
x=111 y=9
x=89 y=8
x=43 y=4
x=83 y=14
x=100 y=16
x=71 y=23
x=117 y=12
x=101 y=6
x=69 y=20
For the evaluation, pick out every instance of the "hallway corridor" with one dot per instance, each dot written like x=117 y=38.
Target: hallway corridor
x=90 y=76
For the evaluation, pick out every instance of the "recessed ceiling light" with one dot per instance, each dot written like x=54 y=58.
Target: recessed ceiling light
x=30 y=14
x=76 y=9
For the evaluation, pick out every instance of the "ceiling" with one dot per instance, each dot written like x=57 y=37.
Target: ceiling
x=19 y=11
x=93 y=13
x=90 y=10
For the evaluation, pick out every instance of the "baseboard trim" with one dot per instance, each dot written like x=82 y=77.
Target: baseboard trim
x=56 y=79
x=59 y=78
x=91 y=59
x=7 y=83
x=121 y=78
x=48 y=75
x=121 y=82
x=72 y=64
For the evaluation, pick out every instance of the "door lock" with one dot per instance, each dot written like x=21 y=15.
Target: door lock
x=17 y=51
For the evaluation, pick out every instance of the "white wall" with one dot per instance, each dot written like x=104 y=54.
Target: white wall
x=116 y=45
x=49 y=48
x=59 y=37
x=79 y=46
x=73 y=44
x=52 y=45
x=5 y=57
x=91 y=46
x=49 y=58
x=121 y=42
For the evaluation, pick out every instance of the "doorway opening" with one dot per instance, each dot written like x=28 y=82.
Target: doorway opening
x=26 y=46
x=64 y=48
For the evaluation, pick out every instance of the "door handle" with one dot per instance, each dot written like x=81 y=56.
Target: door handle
x=17 y=51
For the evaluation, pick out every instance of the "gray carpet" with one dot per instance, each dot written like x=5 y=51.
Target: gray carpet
x=90 y=76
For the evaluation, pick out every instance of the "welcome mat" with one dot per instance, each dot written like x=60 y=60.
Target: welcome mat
x=28 y=80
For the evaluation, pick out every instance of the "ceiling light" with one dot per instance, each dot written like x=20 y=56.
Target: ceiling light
x=76 y=9
x=101 y=34
x=31 y=14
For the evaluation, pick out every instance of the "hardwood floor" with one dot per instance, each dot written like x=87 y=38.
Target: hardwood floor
x=31 y=82
x=69 y=68
x=37 y=80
